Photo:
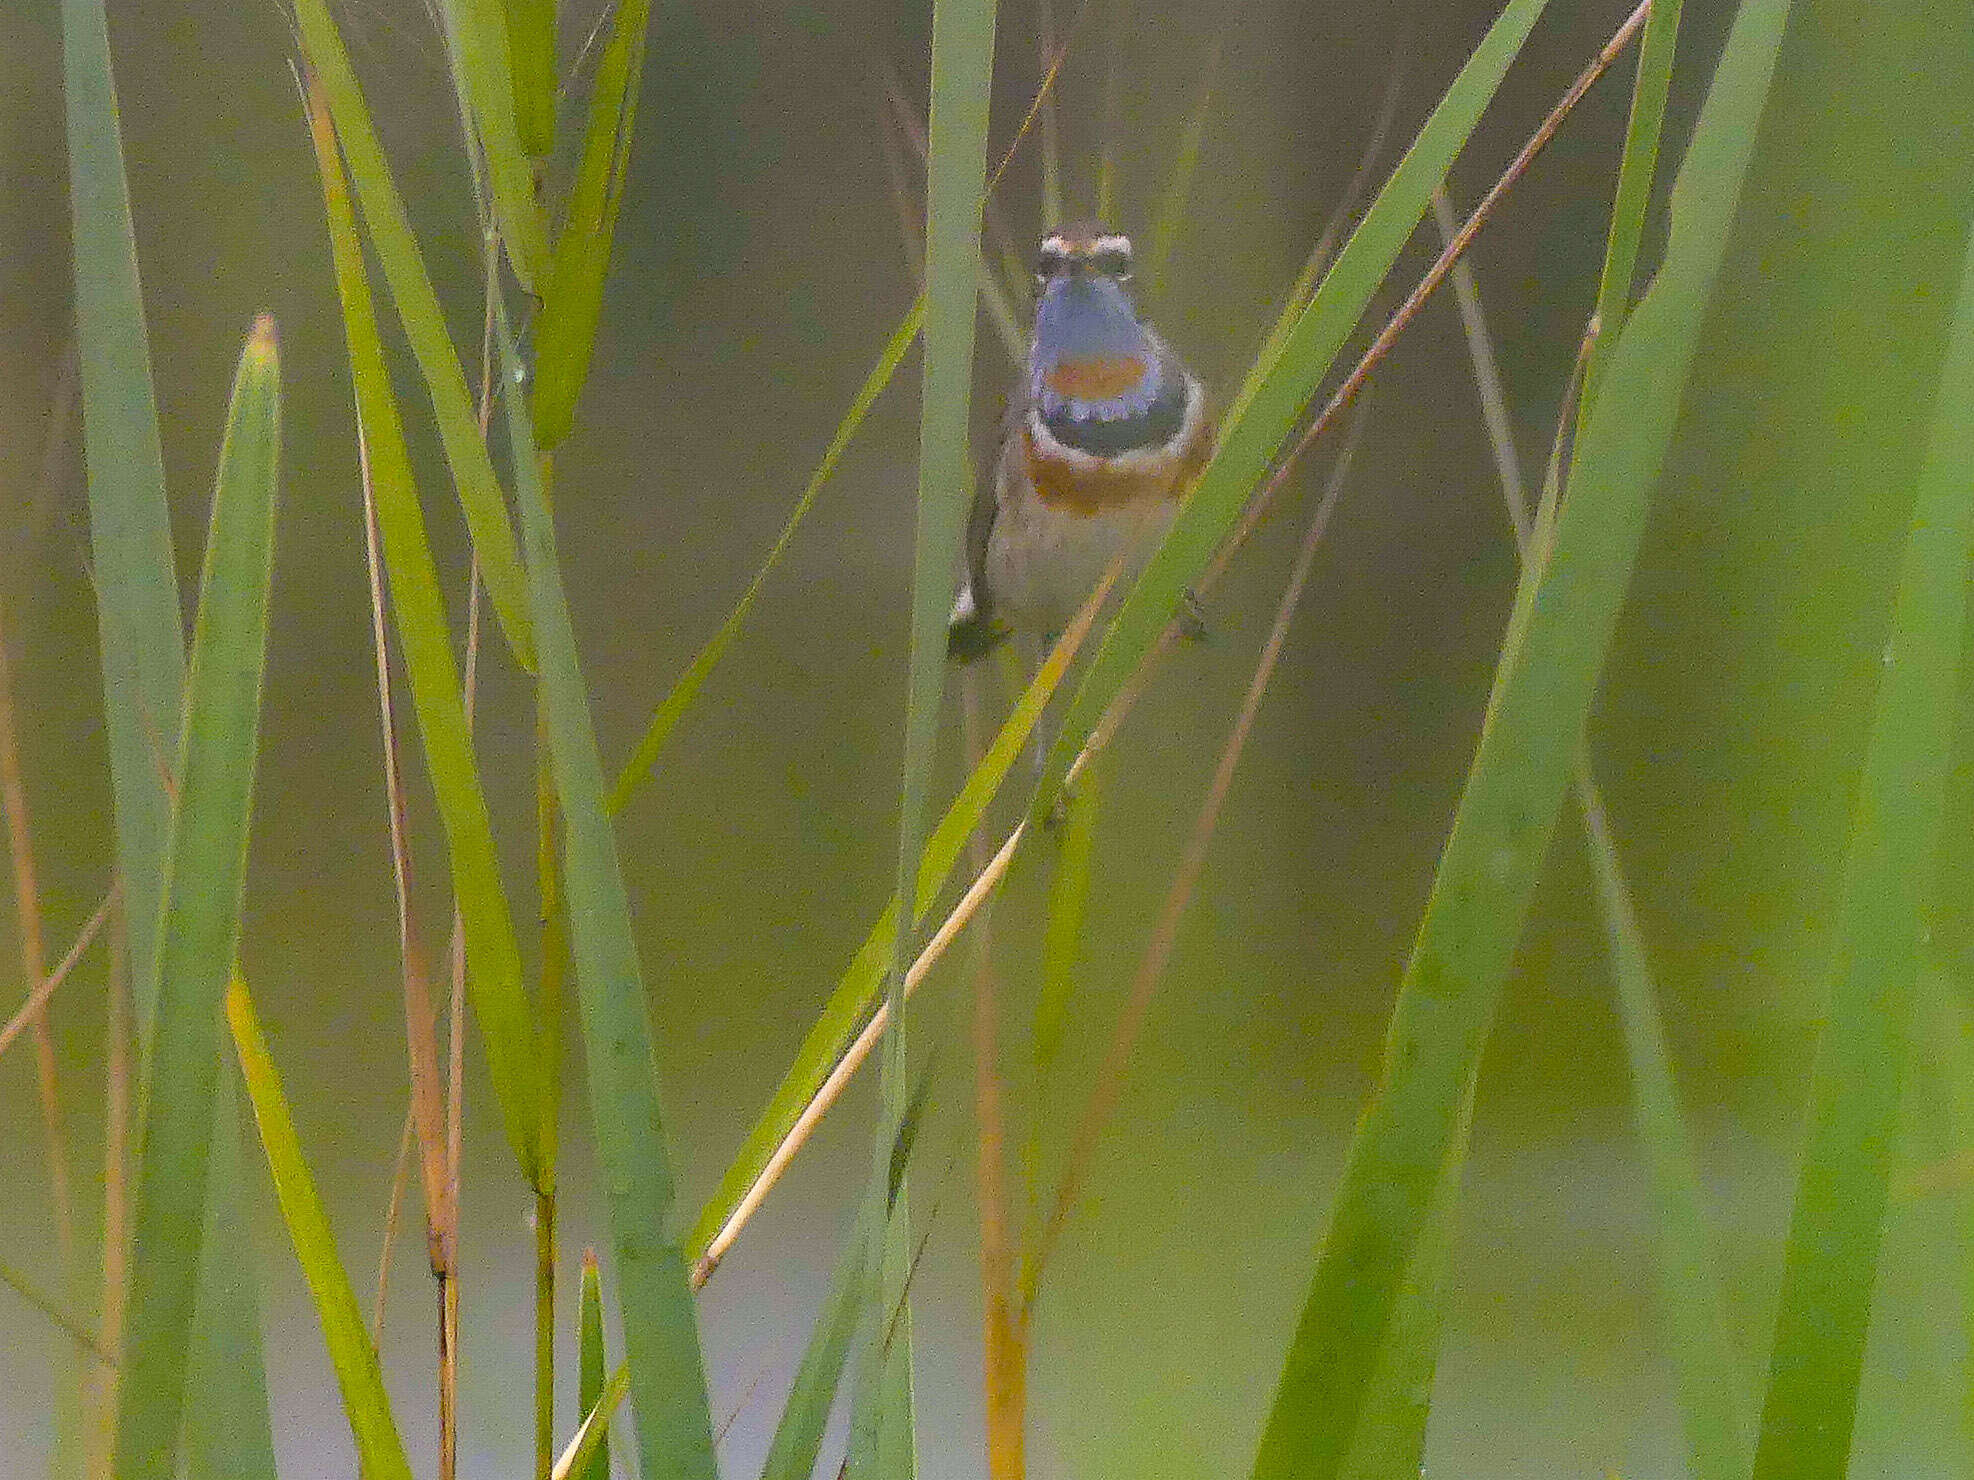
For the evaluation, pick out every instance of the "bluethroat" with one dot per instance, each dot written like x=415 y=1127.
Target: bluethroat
x=1102 y=438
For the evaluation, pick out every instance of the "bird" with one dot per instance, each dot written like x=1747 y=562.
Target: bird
x=1103 y=436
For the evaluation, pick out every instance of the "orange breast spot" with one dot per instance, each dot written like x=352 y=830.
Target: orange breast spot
x=1098 y=378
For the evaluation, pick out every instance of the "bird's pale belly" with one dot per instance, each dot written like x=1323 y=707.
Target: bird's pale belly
x=1043 y=560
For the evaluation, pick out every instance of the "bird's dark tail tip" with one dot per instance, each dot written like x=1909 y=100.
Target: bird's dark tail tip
x=972 y=631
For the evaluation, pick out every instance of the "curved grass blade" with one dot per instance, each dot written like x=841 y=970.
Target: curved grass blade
x=137 y=602
x=661 y=1336
x=675 y=704
x=591 y=1367
x=1266 y=410
x=199 y=916
x=1634 y=191
x=565 y=333
x=1831 y=1264
x=1489 y=868
x=478 y=30
x=380 y=1451
x=493 y=955
x=424 y=326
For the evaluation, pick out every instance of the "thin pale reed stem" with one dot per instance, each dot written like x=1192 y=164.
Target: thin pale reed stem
x=400 y=1182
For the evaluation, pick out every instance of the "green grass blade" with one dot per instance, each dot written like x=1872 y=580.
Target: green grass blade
x=531 y=55
x=857 y=993
x=493 y=956
x=424 y=326
x=1830 y=1267
x=380 y=1452
x=661 y=1336
x=1634 y=191
x=478 y=31
x=227 y=1427
x=799 y=1433
x=1489 y=868
x=593 y=1437
x=591 y=1367
x=1709 y=1382
x=141 y=631
x=143 y=666
x=1266 y=411
x=199 y=917
x=675 y=704
x=565 y=333
x=956 y=178
x=1391 y=1431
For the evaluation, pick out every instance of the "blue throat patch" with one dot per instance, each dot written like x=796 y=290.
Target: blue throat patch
x=1087 y=333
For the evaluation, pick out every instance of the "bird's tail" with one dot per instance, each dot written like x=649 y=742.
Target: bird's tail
x=972 y=631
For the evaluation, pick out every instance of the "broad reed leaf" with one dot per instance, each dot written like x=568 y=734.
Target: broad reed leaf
x=228 y=1430
x=1830 y=1267
x=592 y=1367
x=531 y=55
x=1709 y=1382
x=861 y=985
x=143 y=664
x=661 y=1335
x=477 y=30
x=1391 y=1431
x=675 y=704
x=1265 y=412
x=140 y=620
x=424 y=323
x=380 y=1452
x=1634 y=190
x=493 y=956
x=199 y=916
x=565 y=333
x=1490 y=864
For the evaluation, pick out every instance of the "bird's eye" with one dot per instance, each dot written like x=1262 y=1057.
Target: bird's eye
x=1048 y=262
x=1114 y=262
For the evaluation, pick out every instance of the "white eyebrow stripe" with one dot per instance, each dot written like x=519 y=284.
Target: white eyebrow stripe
x=1114 y=241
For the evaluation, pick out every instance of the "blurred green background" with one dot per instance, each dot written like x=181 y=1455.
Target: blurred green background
x=759 y=271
